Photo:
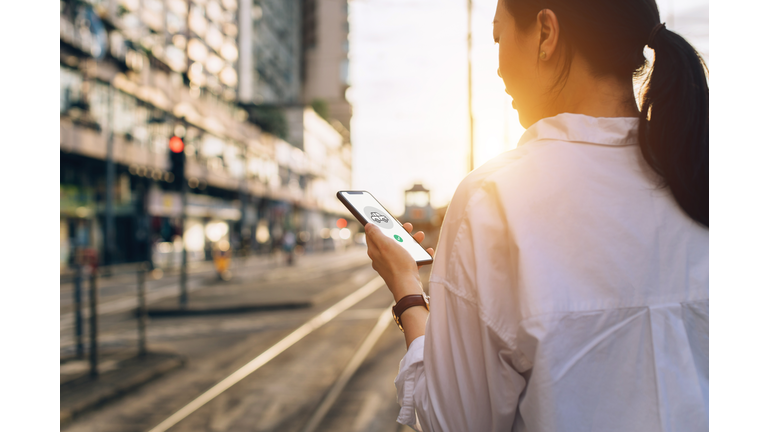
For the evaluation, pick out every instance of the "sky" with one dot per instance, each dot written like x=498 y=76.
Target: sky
x=408 y=72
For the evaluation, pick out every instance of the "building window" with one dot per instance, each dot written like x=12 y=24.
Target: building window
x=98 y=101
x=71 y=82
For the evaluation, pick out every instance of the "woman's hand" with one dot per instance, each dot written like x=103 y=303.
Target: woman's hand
x=393 y=263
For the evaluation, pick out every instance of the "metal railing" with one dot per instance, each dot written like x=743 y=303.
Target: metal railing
x=90 y=272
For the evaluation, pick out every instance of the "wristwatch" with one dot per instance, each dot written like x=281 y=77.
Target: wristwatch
x=408 y=302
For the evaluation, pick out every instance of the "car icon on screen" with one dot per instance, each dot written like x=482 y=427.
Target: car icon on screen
x=378 y=217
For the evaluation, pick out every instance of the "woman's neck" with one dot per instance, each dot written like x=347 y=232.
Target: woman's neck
x=597 y=97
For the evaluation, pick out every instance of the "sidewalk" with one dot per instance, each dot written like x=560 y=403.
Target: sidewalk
x=116 y=271
x=119 y=374
x=254 y=265
x=246 y=293
x=251 y=289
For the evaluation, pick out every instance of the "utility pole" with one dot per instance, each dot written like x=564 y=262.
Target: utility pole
x=183 y=297
x=469 y=87
x=178 y=161
x=109 y=214
x=94 y=302
x=142 y=311
x=78 y=301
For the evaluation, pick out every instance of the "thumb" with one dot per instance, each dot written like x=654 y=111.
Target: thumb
x=375 y=235
x=371 y=230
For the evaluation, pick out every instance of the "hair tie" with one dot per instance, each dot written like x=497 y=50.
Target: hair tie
x=655 y=30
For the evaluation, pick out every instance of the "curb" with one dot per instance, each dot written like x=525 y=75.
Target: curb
x=190 y=311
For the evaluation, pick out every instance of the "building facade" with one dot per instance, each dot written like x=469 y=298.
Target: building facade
x=136 y=73
x=270 y=48
x=325 y=46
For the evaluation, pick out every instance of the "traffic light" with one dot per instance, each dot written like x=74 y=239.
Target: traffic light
x=178 y=159
x=176 y=144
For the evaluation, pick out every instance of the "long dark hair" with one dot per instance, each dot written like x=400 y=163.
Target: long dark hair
x=674 y=113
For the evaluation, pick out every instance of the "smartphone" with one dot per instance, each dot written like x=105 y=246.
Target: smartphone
x=368 y=210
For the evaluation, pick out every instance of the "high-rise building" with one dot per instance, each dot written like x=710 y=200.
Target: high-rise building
x=211 y=44
x=325 y=68
x=270 y=52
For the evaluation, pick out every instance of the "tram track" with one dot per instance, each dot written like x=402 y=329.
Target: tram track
x=297 y=335
x=338 y=376
x=354 y=364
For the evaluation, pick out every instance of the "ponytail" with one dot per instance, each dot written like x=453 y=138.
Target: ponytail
x=674 y=114
x=674 y=122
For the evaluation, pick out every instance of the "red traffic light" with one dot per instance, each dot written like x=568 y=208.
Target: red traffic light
x=341 y=223
x=176 y=144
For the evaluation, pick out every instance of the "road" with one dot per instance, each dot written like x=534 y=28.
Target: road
x=284 y=393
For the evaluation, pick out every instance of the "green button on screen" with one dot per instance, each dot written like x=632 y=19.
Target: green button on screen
x=398 y=238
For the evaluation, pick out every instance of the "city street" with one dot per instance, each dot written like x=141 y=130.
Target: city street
x=213 y=136
x=314 y=384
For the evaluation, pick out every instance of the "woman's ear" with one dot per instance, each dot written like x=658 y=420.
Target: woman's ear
x=549 y=34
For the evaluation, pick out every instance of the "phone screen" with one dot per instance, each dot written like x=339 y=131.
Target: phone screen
x=371 y=211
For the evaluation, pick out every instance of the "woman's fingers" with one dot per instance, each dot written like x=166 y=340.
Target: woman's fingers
x=379 y=244
x=419 y=236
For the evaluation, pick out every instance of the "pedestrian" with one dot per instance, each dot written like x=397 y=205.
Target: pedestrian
x=570 y=287
x=289 y=243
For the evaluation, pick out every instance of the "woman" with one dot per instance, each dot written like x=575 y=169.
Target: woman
x=570 y=289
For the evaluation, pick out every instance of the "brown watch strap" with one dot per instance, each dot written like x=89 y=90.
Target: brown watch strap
x=406 y=302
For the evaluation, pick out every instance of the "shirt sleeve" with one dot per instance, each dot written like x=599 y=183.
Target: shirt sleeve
x=460 y=375
x=411 y=367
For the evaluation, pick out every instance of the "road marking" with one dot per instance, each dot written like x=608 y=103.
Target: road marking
x=352 y=366
x=271 y=353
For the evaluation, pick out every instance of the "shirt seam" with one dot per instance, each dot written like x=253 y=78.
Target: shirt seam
x=490 y=323
x=585 y=142
x=616 y=308
x=511 y=338
x=464 y=226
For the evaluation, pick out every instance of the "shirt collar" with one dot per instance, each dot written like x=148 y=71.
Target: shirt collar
x=619 y=131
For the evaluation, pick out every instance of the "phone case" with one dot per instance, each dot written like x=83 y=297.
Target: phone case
x=363 y=222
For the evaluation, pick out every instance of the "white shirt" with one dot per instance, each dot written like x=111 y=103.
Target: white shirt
x=568 y=293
